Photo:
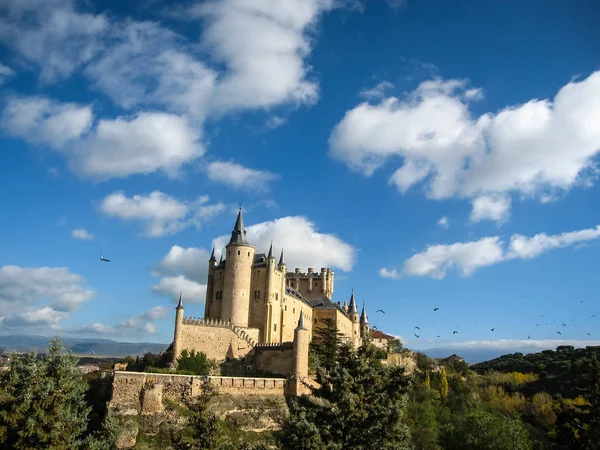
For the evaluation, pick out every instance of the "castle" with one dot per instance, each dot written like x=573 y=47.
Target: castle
x=254 y=304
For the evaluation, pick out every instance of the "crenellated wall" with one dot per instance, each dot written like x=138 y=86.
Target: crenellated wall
x=277 y=359
x=216 y=338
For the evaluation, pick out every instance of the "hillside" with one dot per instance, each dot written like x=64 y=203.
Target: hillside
x=81 y=347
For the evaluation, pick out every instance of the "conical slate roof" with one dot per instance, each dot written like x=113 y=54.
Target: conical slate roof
x=363 y=316
x=301 y=322
x=238 y=235
x=180 y=304
x=352 y=308
x=212 y=255
x=270 y=252
x=281 y=260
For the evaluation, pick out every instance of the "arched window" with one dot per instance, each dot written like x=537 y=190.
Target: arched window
x=239 y=253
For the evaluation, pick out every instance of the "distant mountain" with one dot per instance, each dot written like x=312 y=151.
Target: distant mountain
x=78 y=346
x=471 y=356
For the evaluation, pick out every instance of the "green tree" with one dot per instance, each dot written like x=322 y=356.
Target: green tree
x=444 y=390
x=42 y=402
x=194 y=363
x=358 y=402
x=202 y=432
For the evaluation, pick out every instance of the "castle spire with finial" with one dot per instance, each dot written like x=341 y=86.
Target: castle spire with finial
x=271 y=251
x=180 y=304
x=363 y=316
x=301 y=322
x=352 y=308
x=281 y=260
x=212 y=255
x=238 y=235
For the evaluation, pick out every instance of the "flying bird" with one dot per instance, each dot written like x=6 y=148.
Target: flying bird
x=589 y=334
x=455 y=332
x=593 y=315
x=436 y=309
x=537 y=324
x=380 y=310
x=439 y=335
x=417 y=335
x=528 y=336
x=93 y=352
x=374 y=327
x=492 y=329
x=102 y=258
x=417 y=328
x=564 y=324
x=558 y=332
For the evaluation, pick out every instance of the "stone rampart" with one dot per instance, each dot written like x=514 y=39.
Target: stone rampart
x=276 y=359
x=136 y=392
x=216 y=338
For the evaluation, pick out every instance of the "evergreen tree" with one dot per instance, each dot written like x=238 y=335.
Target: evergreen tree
x=202 y=432
x=358 y=402
x=444 y=390
x=42 y=402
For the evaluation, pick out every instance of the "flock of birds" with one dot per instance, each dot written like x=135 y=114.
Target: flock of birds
x=564 y=324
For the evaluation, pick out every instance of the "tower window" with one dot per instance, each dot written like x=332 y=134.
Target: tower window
x=285 y=307
x=316 y=283
x=239 y=253
x=274 y=327
x=276 y=296
x=294 y=311
x=248 y=253
x=315 y=320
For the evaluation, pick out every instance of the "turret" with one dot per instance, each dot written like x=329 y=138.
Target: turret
x=282 y=266
x=238 y=269
x=364 y=323
x=353 y=314
x=300 y=351
x=210 y=284
x=345 y=307
x=177 y=336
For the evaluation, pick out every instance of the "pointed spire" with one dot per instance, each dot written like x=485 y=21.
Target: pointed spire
x=180 y=304
x=271 y=251
x=212 y=255
x=363 y=316
x=238 y=235
x=281 y=260
x=301 y=322
x=221 y=258
x=352 y=308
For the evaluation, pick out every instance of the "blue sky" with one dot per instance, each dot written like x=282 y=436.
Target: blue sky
x=433 y=153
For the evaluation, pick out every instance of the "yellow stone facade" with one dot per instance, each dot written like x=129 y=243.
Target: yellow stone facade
x=255 y=292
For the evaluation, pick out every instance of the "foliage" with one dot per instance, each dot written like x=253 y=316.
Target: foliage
x=444 y=388
x=196 y=363
x=202 y=432
x=142 y=364
x=43 y=402
x=395 y=346
x=358 y=403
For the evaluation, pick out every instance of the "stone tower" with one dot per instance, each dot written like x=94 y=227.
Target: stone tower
x=238 y=272
x=177 y=335
x=353 y=314
x=364 y=324
x=210 y=284
x=300 y=350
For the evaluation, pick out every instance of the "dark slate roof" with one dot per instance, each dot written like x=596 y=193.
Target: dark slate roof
x=260 y=260
x=281 y=260
x=238 y=235
x=363 y=316
x=352 y=308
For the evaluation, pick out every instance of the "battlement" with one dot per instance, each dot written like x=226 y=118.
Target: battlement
x=274 y=346
x=217 y=323
x=310 y=273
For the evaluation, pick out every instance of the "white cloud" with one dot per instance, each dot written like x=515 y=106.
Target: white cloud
x=191 y=262
x=149 y=65
x=304 y=246
x=192 y=292
x=397 y=5
x=52 y=34
x=488 y=207
x=82 y=234
x=376 y=93
x=387 y=273
x=146 y=143
x=467 y=257
x=43 y=121
x=520 y=344
x=444 y=222
x=533 y=148
x=238 y=176
x=38 y=297
x=264 y=45
x=526 y=248
x=5 y=72
x=142 y=323
x=160 y=213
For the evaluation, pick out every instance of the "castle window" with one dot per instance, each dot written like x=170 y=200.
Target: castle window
x=315 y=320
x=239 y=253
x=248 y=253
x=294 y=311
x=274 y=327
x=286 y=307
x=292 y=284
x=316 y=283
x=229 y=253
x=276 y=296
